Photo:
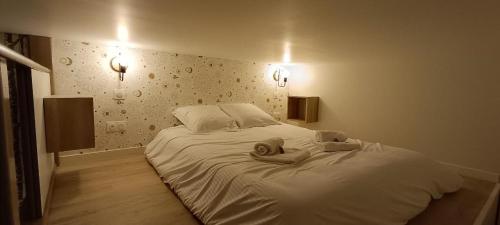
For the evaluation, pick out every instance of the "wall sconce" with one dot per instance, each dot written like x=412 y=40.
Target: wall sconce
x=280 y=79
x=119 y=64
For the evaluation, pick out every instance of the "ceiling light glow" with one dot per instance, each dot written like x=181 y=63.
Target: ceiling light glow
x=287 y=56
x=122 y=33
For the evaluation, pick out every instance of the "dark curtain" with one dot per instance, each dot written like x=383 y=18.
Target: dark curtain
x=23 y=124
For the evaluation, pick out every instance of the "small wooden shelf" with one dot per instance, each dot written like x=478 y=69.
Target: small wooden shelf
x=69 y=123
x=303 y=109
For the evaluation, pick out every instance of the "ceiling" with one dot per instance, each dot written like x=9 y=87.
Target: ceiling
x=257 y=30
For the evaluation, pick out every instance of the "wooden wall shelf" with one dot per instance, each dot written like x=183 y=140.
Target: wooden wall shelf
x=69 y=123
x=303 y=109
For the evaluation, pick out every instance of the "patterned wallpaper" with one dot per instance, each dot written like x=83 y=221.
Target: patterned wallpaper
x=155 y=83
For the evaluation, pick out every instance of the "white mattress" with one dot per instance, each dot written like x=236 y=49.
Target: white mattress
x=220 y=183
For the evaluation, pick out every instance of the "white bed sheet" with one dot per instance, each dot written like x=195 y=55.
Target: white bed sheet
x=220 y=183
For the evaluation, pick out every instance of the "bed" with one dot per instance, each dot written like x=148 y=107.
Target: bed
x=217 y=180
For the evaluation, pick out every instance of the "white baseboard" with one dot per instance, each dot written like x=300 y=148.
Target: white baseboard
x=474 y=173
x=104 y=151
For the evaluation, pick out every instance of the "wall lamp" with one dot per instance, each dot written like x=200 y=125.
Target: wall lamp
x=119 y=64
x=279 y=78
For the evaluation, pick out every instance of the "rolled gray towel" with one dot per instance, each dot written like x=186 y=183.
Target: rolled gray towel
x=330 y=135
x=271 y=146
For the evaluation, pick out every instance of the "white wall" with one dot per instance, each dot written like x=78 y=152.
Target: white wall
x=424 y=75
x=445 y=104
x=41 y=89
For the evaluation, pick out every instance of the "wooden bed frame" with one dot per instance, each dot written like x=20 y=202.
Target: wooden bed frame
x=489 y=212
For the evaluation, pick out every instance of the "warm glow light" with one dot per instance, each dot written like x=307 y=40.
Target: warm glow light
x=124 y=59
x=273 y=67
x=277 y=74
x=270 y=71
x=123 y=56
x=287 y=55
x=122 y=33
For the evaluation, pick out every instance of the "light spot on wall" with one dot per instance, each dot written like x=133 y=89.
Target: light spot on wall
x=300 y=78
x=287 y=53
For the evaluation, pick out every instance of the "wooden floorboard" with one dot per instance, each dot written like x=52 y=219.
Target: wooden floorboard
x=120 y=187
x=113 y=188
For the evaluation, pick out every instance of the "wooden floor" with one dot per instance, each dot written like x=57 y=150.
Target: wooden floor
x=110 y=188
x=120 y=187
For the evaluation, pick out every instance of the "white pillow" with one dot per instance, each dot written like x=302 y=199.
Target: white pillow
x=203 y=118
x=248 y=115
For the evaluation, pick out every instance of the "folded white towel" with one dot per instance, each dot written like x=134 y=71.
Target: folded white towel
x=330 y=135
x=291 y=156
x=339 y=146
x=271 y=146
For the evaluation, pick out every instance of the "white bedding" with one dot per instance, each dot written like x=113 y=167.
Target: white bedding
x=220 y=183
